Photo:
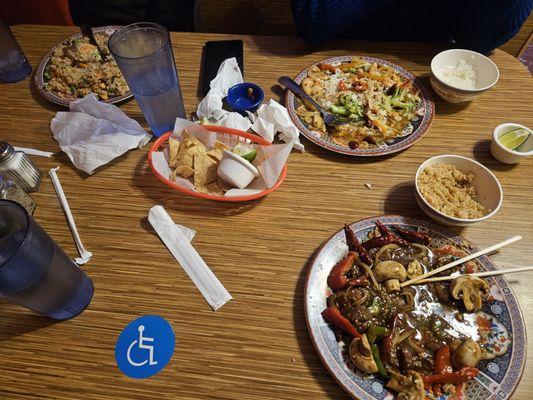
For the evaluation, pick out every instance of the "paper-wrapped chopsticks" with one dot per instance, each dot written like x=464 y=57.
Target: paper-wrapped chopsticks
x=191 y=262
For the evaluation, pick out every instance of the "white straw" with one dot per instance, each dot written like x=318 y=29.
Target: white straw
x=34 y=152
x=462 y=260
x=189 y=259
x=478 y=274
x=85 y=255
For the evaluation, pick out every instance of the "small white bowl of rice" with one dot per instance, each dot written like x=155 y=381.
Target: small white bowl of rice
x=459 y=75
x=455 y=190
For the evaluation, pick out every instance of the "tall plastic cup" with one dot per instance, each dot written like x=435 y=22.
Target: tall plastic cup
x=144 y=56
x=34 y=271
x=13 y=63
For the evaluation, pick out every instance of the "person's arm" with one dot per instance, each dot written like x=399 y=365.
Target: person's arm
x=319 y=20
x=484 y=26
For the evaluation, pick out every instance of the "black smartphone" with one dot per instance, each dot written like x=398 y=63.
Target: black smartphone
x=215 y=52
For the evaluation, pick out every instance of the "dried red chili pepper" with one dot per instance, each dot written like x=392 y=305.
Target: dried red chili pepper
x=387 y=237
x=412 y=236
x=333 y=315
x=355 y=245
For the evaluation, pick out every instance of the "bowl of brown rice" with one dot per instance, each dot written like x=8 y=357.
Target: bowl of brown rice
x=456 y=190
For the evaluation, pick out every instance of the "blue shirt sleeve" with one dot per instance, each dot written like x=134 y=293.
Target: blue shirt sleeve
x=484 y=26
x=319 y=20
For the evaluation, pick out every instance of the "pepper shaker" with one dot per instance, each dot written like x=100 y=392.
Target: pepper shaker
x=9 y=190
x=17 y=166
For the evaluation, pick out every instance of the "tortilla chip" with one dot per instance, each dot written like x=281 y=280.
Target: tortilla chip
x=217 y=150
x=188 y=148
x=205 y=169
x=173 y=148
x=211 y=188
x=184 y=171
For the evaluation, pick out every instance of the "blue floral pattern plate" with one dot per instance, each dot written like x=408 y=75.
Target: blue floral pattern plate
x=500 y=323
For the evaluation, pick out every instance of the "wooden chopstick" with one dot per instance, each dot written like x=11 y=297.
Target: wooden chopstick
x=478 y=274
x=462 y=260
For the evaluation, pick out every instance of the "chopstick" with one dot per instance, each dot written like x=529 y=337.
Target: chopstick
x=478 y=274
x=462 y=260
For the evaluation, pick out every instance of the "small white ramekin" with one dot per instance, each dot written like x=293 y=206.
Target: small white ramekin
x=236 y=170
x=502 y=153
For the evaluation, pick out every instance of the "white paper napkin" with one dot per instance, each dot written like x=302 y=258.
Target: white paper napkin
x=93 y=133
x=189 y=259
x=271 y=117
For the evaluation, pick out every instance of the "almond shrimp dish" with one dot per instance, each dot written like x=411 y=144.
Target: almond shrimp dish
x=422 y=341
x=376 y=103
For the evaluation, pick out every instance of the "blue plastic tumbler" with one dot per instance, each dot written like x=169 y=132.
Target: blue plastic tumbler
x=34 y=271
x=144 y=56
x=13 y=63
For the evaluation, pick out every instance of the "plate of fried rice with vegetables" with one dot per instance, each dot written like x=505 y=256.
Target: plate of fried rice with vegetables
x=74 y=68
x=385 y=108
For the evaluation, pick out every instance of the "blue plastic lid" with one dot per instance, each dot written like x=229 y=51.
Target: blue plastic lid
x=14 y=223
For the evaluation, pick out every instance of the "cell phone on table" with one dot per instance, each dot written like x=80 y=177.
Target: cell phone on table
x=215 y=52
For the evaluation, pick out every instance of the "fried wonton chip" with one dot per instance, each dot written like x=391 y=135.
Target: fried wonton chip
x=217 y=150
x=173 y=148
x=188 y=148
x=211 y=188
x=184 y=171
x=205 y=169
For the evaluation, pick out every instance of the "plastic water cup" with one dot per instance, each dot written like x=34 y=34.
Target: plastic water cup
x=34 y=271
x=13 y=63
x=144 y=56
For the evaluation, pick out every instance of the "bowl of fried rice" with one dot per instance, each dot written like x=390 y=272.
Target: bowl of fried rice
x=456 y=190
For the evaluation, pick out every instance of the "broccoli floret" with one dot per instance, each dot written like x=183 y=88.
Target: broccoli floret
x=400 y=99
x=348 y=105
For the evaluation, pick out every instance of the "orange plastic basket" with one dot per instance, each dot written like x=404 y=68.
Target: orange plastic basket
x=235 y=137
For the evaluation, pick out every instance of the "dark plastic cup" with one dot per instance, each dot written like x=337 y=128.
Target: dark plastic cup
x=144 y=56
x=13 y=63
x=34 y=271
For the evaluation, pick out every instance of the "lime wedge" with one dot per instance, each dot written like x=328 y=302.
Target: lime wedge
x=514 y=139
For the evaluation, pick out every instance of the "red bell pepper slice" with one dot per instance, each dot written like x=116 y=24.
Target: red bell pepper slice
x=334 y=317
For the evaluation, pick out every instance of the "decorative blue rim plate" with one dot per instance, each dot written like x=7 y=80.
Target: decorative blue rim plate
x=420 y=125
x=63 y=101
x=498 y=377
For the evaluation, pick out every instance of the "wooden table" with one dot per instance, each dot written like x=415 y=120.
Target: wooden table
x=257 y=346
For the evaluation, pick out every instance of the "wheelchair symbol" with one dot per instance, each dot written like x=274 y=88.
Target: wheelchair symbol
x=141 y=345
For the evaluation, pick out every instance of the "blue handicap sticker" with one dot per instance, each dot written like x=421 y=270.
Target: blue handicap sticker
x=145 y=346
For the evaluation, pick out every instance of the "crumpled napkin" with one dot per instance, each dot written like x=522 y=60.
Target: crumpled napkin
x=271 y=118
x=93 y=133
x=229 y=74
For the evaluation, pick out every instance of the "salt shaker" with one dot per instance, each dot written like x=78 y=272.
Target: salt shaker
x=9 y=190
x=16 y=166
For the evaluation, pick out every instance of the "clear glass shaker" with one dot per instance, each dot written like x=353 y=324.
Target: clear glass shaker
x=9 y=190
x=17 y=166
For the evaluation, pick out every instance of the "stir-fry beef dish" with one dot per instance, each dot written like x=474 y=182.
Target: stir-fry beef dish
x=417 y=337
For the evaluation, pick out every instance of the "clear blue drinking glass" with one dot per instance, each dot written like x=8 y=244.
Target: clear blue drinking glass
x=13 y=63
x=144 y=56
x=34 y=271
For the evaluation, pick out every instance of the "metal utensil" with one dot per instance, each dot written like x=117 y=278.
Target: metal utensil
x=86 y=30
x=329 y=118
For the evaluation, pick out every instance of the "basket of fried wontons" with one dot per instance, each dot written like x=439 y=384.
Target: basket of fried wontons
x=218 y=163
